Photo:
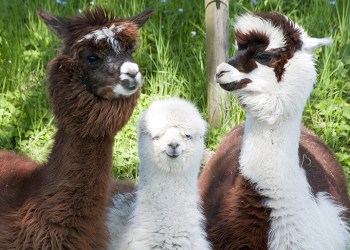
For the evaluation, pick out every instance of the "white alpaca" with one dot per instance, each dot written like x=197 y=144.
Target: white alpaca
x=273 y=75
x=167 y=212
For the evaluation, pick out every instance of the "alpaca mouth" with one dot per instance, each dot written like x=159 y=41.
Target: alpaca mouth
x=172 y=155
x=130 y=85
x=126 y=88
x=235 y=85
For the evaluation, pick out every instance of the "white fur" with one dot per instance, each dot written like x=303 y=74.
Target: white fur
x=106 y=33
x=128 y=71
x=247 y=23
x=118 y=216
x=269 y=156
x=167 y=212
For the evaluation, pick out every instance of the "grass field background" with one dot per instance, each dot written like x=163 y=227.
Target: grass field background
x=172 y=57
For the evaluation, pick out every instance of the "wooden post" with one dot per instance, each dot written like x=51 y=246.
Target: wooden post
x=217 y=25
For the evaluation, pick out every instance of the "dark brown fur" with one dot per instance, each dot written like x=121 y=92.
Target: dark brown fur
x=235 y=217
x=62 y=204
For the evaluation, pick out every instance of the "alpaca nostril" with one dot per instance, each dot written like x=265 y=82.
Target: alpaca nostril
x=130 y=69
x=174 y=145
x=218 y=75
x=132 y=74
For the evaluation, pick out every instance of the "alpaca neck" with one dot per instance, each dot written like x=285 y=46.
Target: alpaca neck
x=80 y=167
x=166 y=212
x=269 y=158
x=152 y=178
x=169 y=190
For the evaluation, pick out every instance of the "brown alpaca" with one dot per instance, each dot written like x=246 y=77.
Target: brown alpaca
x=93 y=86
x=255 y=194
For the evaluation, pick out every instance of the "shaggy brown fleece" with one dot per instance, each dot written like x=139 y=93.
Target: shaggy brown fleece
x=62 y=204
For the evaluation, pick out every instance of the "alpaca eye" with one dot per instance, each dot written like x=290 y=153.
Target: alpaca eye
x=92 y=59
x=131 y=47
x=156 y=137
x=188 y=136
x=265 y=57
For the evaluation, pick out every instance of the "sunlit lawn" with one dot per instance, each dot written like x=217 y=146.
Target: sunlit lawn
x=172 y=56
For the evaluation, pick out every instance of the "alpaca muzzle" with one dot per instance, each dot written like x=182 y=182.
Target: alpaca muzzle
x=230 y=78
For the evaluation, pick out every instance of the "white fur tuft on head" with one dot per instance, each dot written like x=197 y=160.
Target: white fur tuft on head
x=106 y=33
x=172 y=112
x=171 y=137
x=249 y=23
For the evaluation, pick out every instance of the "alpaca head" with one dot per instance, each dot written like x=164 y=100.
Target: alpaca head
x=171 y=136
x=273 y=71
x=95 y=83
x=103 y=46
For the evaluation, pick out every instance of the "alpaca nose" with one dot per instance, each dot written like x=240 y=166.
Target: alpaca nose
x=174 y=145
x=132 y=74
x=130 y=69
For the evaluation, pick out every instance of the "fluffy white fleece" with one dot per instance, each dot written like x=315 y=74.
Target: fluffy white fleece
x=167 y=211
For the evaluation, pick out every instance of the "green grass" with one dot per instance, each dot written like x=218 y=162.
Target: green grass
x=172 y=56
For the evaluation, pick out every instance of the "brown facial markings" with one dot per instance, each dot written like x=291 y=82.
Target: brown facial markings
x=248 y=45
x=236 y=85
x=253 y=37
x=278 y=59
x=291 y=32
x=293 y=41
x=101 y=69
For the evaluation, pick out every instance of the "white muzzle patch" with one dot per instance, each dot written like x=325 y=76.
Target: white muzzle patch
x=131 y=79
x=225 y=74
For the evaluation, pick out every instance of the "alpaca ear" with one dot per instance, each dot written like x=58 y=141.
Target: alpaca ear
x=141 y=18
x=57 y=24
x=310 y=43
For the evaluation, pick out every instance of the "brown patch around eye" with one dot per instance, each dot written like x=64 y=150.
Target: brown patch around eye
x=281 y=57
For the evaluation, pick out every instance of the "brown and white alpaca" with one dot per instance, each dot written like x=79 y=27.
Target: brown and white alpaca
x=93 y=86
x=256 y=195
